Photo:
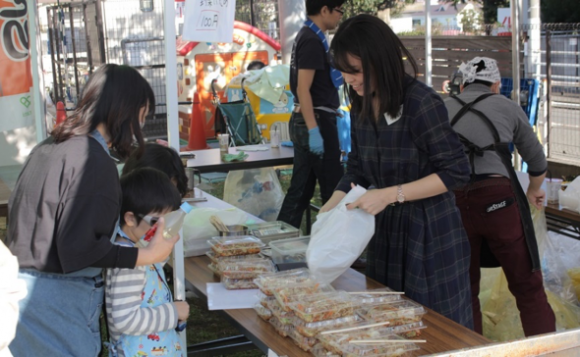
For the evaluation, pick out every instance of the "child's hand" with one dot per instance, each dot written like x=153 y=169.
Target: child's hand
x=158 y=249
x=182 y=310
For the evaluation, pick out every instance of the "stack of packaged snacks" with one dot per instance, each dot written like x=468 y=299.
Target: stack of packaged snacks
x=318 y=350
x=285 y=317
x=365 y=342
x=214 y=266
x=237 y=260
x=312 y=329
x=270 y=282
x=400 y=312
x=263 y=312
x=282 y=329
x=301 y=341
x=229 y=246
x=323 y=306
x=289 y=293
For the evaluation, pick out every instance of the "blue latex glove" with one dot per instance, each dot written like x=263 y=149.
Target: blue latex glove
x=315 y=141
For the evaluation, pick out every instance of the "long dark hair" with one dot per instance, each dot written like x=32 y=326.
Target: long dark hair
x=114 y=95
x=162 y=158
x=381 y=53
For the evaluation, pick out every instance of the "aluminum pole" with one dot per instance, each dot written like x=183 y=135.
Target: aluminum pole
x=534 y=32
x=515 y=13
x=291 y=14
x=428 y=58
x=37 y=95
x=173 y=137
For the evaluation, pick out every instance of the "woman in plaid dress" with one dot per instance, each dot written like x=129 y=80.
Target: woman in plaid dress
x=405 y=149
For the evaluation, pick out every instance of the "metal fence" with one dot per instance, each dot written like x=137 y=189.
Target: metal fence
x=559 y=119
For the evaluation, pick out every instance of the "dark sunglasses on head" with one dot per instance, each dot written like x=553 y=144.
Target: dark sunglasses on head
x=150 y=220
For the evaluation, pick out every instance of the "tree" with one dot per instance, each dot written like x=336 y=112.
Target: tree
x=560 y=11
x=470 y=21
x=355 y=7
x=489 y=8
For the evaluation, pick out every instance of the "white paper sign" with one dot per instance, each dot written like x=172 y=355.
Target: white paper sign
x=219 y=298
x=209 y=20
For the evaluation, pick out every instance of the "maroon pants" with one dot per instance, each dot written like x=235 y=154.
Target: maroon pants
x=490 y=212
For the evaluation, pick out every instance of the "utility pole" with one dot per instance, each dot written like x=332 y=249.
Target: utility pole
x=291 y=14
x=428 y=57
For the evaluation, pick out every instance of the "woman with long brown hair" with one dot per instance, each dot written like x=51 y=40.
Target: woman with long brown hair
x=63 y=212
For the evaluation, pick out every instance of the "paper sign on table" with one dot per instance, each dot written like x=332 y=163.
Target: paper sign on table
x=220 y=298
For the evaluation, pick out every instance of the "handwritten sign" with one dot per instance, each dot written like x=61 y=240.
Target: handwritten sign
x=209 y=20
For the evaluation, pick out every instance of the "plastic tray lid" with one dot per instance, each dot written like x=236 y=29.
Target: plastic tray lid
x=290 y=246
x=322 y=302
x=249 y=266
x=391 y=310
x=287 y=293
x=374 y=296
x=214 y=258
x=342 y=342
x=236 y=240
x=270 y=281
x=271 y=228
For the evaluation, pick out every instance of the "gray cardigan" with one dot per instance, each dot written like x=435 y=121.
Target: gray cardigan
x=510 y=121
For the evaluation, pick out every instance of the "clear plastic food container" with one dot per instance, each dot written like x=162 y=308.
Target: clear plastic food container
x=217 y=259
x=270 y=231
x=340 y=343
x=285 y=317
x=290 y=252
x=269 y=282
x=407 y=330
x=375 y=296
x=325 y=306
x=283 y=330
x=318 y=350
x=263 y=299
x=311 y=329
x=215 y=269
x=237 y=284
x=263 y=312
x=303 y=342
x=397 y=312
x=296 y=292
x=228 y=246
x=246 y=269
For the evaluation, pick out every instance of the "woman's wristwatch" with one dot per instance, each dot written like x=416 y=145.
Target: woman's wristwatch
x=400 y=194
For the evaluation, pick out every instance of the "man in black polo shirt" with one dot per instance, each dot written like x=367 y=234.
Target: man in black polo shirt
x=314 y=84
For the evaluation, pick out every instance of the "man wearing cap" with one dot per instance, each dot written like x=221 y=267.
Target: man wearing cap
x=494 y=208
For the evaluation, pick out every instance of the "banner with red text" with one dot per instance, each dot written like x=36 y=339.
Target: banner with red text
x=15 y=71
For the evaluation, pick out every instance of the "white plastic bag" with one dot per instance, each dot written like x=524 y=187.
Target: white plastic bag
x=570 y=199
x=197 y=229
x=256 y=191
x=338 y=238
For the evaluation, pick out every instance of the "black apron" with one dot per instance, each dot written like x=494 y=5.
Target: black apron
x=488 y=260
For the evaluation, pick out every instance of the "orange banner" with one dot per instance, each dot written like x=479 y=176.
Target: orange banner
x=15 y=71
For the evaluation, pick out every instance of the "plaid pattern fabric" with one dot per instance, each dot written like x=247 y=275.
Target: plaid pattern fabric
x=419 y=247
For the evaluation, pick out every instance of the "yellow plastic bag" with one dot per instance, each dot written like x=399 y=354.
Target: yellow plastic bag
x=574 y=274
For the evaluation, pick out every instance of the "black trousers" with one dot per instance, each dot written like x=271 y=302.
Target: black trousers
x=309 y=167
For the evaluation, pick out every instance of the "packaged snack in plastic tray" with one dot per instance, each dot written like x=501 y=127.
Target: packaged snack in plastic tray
x=397 y=312
x=285 y=317
x=263 y=299
x=268 y=282
x=303 y=342
x=269 y=231
x=407 y=330
x=311 y=329
x=283 y=330
x=295 y=292
x=246 y=269
x=318 y=350
x=340 y=343
x=216 y=270
x=228 y=246
x=236 y=284
x=217 y=259
x=263 y=312
x=375 y=296
x=324 y=306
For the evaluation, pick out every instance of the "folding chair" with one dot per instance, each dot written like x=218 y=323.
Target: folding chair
x=238 y=119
